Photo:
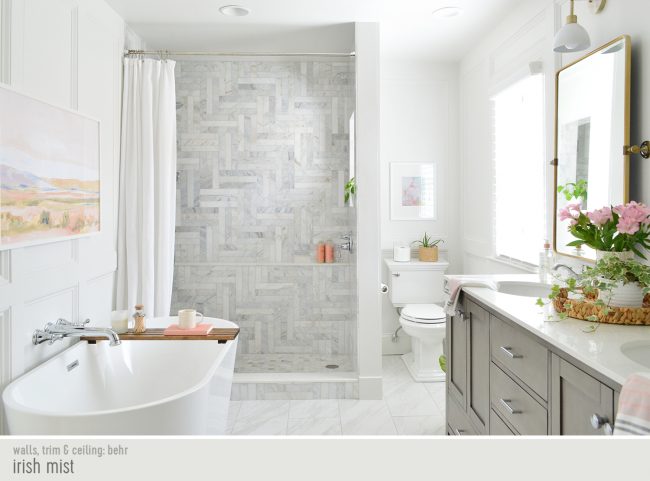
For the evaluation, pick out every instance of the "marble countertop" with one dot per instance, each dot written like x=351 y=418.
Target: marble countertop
x=600 y=350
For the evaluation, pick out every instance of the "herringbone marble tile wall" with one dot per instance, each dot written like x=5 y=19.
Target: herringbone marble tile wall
x=263 y=155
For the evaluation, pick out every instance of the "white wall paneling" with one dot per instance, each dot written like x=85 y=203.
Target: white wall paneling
x=5 y=356
x=69 y=53
x=32 y=315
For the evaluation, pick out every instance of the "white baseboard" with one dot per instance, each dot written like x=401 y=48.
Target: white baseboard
x=370 y=388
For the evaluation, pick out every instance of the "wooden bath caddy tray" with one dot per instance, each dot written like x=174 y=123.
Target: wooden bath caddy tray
x=221 y=334
x=584 y=308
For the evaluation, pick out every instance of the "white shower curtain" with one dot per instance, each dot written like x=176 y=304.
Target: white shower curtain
x=147 y=208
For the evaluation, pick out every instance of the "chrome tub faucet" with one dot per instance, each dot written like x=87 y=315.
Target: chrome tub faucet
x=55 y=331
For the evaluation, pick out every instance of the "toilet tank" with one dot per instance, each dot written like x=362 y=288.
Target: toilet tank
x=416 y=282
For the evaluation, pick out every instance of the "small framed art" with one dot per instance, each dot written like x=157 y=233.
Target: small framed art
x=412 y=191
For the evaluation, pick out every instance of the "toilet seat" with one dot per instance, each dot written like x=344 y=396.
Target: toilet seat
x=424 y=314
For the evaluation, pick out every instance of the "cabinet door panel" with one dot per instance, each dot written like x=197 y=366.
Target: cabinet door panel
x=576 y=397
x=458 y=423
x=479 y=366
x=457 y=358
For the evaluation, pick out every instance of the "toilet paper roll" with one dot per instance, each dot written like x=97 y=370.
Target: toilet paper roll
x=401 y=253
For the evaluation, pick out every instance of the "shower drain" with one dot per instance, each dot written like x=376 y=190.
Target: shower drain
x=332 y=366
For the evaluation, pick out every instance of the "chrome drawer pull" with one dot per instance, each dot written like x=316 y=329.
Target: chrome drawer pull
x=459 y=432
x=510 y=354
x=506 y=404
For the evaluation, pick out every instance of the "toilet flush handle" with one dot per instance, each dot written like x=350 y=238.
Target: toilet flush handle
x=396 y=274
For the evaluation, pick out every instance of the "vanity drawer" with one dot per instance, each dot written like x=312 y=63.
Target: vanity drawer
x=515 y=405
x=497 y=426
x=521 y=354
x=458 y=422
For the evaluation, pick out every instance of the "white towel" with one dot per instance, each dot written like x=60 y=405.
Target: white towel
x=456 y=285
x=633 y=415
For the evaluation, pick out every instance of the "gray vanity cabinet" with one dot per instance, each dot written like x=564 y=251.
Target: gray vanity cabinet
x=503 y=379
x=468 y=369
x=580 y=404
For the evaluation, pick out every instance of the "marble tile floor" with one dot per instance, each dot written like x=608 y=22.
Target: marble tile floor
x=408 y=408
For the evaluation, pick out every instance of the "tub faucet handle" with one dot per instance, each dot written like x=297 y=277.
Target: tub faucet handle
x=83 y=323
x=65 y=322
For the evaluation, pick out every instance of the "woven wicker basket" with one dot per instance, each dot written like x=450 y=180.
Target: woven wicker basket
x=584 y=308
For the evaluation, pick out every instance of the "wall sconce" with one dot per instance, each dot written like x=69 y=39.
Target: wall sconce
x=573 y=37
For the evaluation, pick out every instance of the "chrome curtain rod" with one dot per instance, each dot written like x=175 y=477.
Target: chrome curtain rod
x=167 y=53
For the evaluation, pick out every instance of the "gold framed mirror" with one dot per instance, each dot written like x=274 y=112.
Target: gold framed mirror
x=592 y=126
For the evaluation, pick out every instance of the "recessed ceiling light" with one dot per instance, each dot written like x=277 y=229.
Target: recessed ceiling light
x=235 y=10
x=447 y=12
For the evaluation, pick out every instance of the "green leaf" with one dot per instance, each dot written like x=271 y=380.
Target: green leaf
x=590 y=329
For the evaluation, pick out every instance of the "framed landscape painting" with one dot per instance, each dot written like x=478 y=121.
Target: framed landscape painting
x=49 y=172
x=412 y=191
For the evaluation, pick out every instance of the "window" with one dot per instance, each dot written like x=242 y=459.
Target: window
x=519 y=159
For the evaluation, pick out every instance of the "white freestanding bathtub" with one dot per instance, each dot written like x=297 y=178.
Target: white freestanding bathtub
x=136 y=388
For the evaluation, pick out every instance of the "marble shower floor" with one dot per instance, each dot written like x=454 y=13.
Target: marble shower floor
x=408 y=408
x=265 y=363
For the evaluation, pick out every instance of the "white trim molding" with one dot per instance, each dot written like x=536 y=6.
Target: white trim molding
x=5 y=358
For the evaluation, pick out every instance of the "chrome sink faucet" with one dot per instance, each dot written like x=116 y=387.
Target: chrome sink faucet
x=55 y=331
x=572 y=272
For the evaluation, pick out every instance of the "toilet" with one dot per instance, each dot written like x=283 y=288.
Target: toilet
x=416 y=290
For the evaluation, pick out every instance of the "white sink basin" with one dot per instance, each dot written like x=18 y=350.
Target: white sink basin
x=524 y=289
x=637 y=351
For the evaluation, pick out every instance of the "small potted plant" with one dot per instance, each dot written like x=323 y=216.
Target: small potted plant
x=428 y=251
x=617 y=234
x=620 y=282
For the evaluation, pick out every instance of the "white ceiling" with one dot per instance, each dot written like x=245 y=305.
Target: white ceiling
x=408 y=28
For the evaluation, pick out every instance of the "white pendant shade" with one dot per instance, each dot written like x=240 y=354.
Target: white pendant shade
x=571 y=38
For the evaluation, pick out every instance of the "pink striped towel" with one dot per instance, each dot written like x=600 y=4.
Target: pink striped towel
x=633 y=416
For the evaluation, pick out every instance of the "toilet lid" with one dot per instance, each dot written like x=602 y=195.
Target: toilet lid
x=424 y=313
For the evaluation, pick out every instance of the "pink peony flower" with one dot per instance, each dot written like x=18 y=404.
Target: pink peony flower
x=600 y=217
x=627 y=226
x=571 y=213
x=634 y=212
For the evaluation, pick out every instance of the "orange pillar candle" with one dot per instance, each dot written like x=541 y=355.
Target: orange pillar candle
x=320 y=252
x=329 y=252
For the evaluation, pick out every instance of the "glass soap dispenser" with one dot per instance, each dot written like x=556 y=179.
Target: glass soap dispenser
x=546 y=262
